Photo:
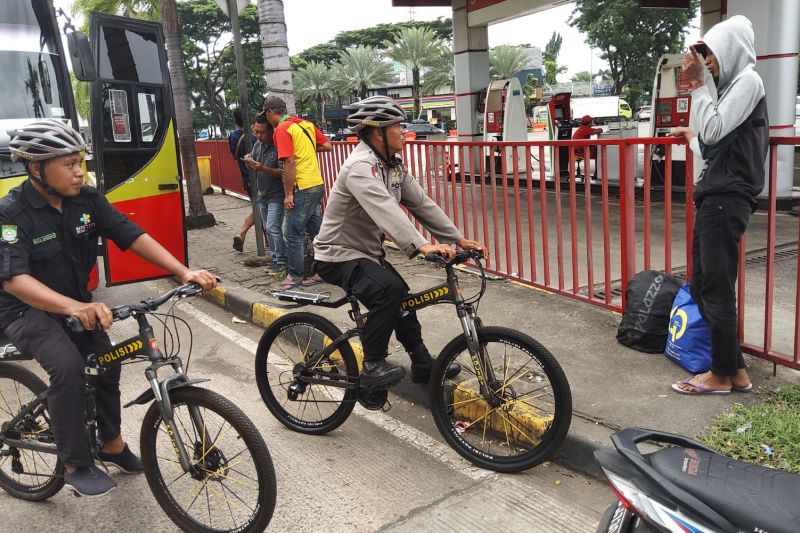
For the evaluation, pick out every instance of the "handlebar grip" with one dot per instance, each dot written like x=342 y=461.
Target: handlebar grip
x=434 y=258
x=75 y=325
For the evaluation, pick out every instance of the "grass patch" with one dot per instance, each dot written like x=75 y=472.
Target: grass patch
x=749 y=433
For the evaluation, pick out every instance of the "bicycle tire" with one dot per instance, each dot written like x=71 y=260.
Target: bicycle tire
x=463 y=416
x=282 y=337
x=215 y=463
x=55 y=480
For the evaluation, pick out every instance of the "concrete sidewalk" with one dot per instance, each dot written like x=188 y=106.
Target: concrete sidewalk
x=612 y=386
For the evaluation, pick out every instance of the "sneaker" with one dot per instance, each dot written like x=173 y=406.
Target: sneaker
x=89 y=481
x=126 y=461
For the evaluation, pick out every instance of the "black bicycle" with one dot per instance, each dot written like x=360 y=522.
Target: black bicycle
x=204 y=460
x=508 y=410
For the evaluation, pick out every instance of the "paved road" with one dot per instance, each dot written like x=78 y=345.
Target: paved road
x=378 y=472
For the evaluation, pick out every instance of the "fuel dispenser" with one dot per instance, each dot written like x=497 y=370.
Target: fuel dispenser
x=672 y=98
x=559 y=127
x=504 y=119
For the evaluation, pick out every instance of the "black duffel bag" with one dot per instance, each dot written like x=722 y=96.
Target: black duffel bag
x=645 y=322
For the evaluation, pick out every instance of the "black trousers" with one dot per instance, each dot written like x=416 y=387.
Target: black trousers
x=380 y=289
x=62 y=355
x=720 y=222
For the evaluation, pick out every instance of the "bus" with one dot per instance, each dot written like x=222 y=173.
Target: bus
x=133 y=139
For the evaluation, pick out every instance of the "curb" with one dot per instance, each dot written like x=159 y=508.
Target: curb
x=576 y=453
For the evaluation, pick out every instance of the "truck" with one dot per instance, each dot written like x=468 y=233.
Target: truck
x=134 y=144
x=603 y=109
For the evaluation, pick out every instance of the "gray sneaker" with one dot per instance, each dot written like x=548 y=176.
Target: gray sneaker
x=89 y=481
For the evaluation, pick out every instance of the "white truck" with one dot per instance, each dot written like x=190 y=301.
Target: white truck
x=603 y=109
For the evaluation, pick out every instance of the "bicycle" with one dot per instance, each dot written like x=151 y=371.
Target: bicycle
x=202 y=456
x=508 y=410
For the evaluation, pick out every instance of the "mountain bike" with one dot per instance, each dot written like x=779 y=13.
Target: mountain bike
x=508 y=410
x=204 y=460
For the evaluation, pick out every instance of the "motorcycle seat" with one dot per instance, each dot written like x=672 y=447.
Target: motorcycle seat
x=752 y=497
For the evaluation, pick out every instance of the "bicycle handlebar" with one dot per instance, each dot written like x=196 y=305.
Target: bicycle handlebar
x=461 y=257
x=121 y=312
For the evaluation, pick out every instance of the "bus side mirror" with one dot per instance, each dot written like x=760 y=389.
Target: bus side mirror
x=80 y=52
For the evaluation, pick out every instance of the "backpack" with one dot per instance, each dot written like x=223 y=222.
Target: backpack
x=645 y=322
x=689 y=342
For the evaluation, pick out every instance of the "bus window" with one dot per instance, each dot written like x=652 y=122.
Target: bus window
x=148 y=119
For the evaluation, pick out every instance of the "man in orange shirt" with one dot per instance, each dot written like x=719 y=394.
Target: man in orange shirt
x=298 y=142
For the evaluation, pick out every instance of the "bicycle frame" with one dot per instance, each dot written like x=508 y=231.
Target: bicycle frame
x=143 y=345
x=448 y=292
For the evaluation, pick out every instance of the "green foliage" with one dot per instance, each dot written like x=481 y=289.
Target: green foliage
x=529 y=89
x=363 y=67
x=415 y=47
x=141 y=9
x=442 y=73
x=631 y=39
x=506 y=60
x=744 y=432
x=314 y=83
x=582 y=76
x=80 y=89
x=550 y=59
x=375 y=37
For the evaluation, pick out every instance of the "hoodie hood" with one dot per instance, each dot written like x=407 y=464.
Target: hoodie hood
x=732 y=42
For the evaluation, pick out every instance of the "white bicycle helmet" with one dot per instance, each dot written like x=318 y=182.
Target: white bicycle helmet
x=375 y=112
x=44 y=139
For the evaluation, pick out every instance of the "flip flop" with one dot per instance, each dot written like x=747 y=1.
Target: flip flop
x=286 y=285
x=310 y=282
x=748 y=388
x=238 y=244
x=699 y=389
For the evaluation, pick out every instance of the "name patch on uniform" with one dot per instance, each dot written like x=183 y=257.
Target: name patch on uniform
x=9 y=233
x=44 y=238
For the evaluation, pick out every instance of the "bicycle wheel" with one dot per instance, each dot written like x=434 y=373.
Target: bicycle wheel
x=310 y=408
x=32 y=475
x=528 y=414
x=233 y=487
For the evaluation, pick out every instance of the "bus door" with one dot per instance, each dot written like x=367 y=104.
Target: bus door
x=134 y=139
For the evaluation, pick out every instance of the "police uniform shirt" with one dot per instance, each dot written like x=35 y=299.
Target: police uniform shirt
x=58 y=248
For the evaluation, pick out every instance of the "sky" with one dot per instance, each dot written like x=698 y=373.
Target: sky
x=311 y=22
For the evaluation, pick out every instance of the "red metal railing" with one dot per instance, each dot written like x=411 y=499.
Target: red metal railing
x=585 y=240
x=224 y=168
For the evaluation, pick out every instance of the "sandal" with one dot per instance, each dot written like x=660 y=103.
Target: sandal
x=287 y=284
x=314 y=280
x=699 y=390
x=238 y=244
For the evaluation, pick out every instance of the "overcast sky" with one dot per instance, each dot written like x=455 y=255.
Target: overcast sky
x=311 y=22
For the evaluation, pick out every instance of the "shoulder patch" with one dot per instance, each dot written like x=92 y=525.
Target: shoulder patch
x=375 y=173
x=9 y=233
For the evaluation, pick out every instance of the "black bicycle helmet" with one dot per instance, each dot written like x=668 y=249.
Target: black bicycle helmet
x=44 y=139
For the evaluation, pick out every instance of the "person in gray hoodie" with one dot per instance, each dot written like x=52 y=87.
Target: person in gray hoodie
x=730 y=131
x=363 y=209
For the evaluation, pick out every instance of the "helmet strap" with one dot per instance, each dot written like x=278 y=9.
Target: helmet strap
x=42 y=183
x=390 y=161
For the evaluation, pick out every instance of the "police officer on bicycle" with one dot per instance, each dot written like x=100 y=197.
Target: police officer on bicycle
x=48 y=246
x=363 y=209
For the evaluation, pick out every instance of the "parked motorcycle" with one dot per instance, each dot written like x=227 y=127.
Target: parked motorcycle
x=688 y=488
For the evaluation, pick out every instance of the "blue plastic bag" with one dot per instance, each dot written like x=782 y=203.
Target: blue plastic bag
x=688 y=340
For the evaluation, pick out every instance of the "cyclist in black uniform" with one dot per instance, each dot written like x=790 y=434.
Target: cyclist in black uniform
x=48 y=246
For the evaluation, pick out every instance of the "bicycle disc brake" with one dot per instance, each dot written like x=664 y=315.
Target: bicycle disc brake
x=374 y=399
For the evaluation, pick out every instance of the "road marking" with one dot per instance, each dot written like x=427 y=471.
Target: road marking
x=419 y=440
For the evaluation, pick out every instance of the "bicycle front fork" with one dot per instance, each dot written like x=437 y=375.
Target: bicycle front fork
x=481 y=364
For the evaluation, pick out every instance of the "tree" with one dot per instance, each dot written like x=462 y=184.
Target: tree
x=631 y=39
x=416 y=48
x=550 y=59
x=581 y=77
x=275 y=50
x=166 y=9
x=442 y=73
x=363 y=67
x=315 y=82
x=506 y=60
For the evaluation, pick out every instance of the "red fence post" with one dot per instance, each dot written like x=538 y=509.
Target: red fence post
x=627 y=197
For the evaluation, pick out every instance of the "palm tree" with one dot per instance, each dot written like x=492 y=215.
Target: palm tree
x=442 y=73
x=315 y=81
x=363 y=67
x=166 y=10
x=416 y=48
x=506 y=60
x=275 y=50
